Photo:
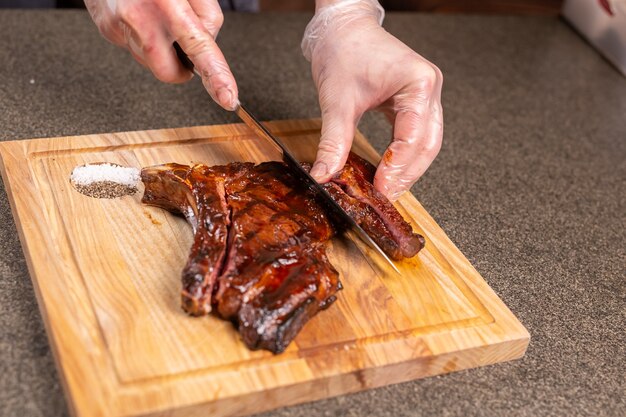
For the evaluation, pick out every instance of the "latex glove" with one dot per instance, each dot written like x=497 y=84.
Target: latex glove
x=148 y=28
x=358 y=66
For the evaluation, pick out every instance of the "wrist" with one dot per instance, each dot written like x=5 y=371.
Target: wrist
x=325 y=3
x=337 y=13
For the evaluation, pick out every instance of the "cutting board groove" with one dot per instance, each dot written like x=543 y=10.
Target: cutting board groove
x=107 y=277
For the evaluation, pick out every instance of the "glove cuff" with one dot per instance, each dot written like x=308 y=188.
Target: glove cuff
x=338 y=13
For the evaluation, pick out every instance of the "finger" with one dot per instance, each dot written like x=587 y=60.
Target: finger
x=416 y=143
x=186 y=28
x=138 y=58
x=417 y=131
x=148 y=41
x=210 y=14
x=127 y=41
x=338 y=126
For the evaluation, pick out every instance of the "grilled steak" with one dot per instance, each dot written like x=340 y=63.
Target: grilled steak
x=255 y=235
x=375 y=213
x=258 y=257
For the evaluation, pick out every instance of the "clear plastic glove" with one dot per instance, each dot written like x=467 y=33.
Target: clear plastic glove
x=148 y=28
x=358 y=66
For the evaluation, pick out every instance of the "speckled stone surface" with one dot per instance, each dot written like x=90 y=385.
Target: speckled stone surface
x=530 y=184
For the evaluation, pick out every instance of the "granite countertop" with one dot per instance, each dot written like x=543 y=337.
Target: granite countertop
x=530 y=184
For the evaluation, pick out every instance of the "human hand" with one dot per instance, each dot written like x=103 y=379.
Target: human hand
x=148 y=28
x=358 y=66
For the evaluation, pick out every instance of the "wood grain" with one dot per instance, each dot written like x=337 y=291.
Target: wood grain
x=107 y=277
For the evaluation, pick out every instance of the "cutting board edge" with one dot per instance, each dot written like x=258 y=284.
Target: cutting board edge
x=512 y=346
x=32 y=145
x=350 y=382
x=77 y=409
x=14 y=155
x=6 y=154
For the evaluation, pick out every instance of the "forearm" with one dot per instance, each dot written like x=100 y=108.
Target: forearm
x=332 y=15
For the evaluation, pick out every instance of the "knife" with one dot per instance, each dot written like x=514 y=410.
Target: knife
x=339 y=217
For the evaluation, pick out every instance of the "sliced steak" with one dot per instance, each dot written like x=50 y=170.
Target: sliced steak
x=365 y=216
x=277 y=274
x=259 y=257
x=198 y=193
x=355 y=180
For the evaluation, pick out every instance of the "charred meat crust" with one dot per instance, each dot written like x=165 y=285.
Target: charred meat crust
x=355 y=179
x=258 y=258
x=367 y=218
x=198 y=193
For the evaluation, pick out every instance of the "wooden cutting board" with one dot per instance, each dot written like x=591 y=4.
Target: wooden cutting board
x=107 y=278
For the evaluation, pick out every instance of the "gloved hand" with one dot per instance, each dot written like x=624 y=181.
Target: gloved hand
x=148 y=28
x=358 y=66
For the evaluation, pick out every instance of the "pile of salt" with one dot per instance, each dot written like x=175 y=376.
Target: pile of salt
x=105 y=180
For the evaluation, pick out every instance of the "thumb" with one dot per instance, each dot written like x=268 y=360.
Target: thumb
x=338 y=127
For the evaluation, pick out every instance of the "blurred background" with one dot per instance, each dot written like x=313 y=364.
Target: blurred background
x=525 y=7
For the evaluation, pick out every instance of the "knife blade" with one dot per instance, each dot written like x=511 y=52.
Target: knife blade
x=341 y=220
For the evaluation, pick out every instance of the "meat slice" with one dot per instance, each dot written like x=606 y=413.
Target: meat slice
x=288 y=292
x=198 y=193
x=355 y=179
x=365 y=216
x=277 y=274
x=258 y=256
x=362 y=166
